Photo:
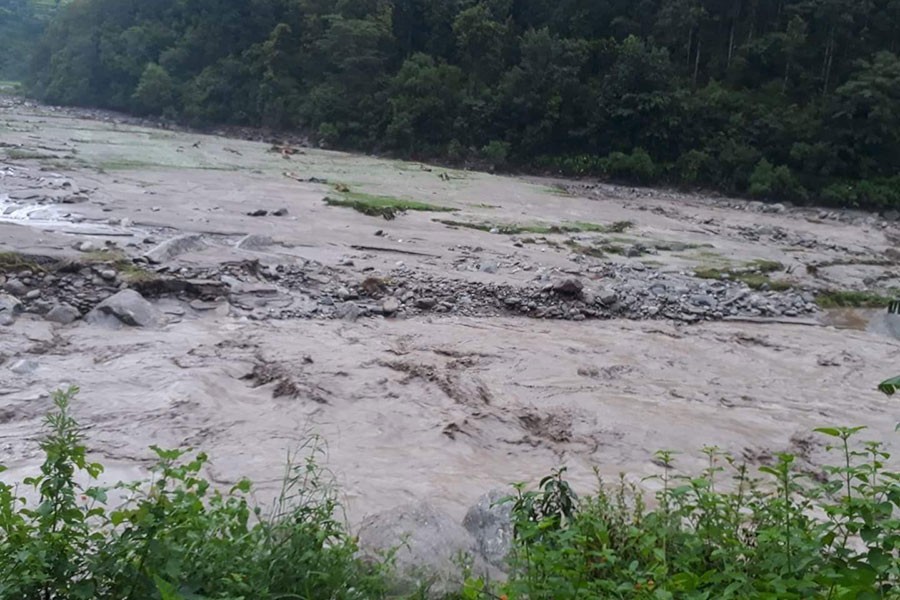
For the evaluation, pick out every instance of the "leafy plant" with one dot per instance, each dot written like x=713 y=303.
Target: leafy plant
x=174 y=537
x=725 y=533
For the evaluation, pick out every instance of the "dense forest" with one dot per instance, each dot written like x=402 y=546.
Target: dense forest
x=21 y=24
x=778 y=99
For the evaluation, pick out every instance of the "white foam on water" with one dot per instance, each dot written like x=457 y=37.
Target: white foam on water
x=51 y=216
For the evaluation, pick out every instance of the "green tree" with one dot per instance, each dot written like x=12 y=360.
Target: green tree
x=155 y=92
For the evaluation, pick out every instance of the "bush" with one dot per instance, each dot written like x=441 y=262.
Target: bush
x=175 y=537
x=879 y=194
x=778 y=182
x=786 y=535
x=637 y=166
x=693 y=167
x=496 y=153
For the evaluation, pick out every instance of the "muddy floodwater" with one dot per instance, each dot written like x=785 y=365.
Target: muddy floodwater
x=520 y=325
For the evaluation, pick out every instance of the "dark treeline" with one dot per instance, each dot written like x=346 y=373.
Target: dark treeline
x=788 y=99
x=21 y=24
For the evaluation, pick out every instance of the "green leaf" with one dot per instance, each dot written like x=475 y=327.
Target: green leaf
x=889 y=387
x=166 y=590
x=832 y=431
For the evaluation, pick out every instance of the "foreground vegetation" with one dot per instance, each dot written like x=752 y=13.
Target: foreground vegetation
x=723 y=534
x=175 y=537
x=790 y=99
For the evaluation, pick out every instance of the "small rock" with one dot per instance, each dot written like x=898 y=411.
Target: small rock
x=33 y=295
x=281 y=212
x=568 y=287
x=24 y=367
x=86 y=247
x=426 y=303
x=702 y=300
x=16 y=287
x=108 y=274
x=201 y=306
x=9 y=305
x=390 y=306
x=348 y=311
x=258 y=213
x=63 y=314
x=608 y=296
x=489 y=267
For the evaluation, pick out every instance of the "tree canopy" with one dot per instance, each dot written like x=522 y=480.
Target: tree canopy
x=789 y=99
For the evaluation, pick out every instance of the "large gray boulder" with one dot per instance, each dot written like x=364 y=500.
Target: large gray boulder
x=9 y=305
x=169 y=249
x=490 y=523
x=432 y=549
x=125 y=308
x=63 y=313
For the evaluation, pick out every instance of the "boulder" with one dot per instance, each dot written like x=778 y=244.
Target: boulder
x=127 y=307
x=63 y=314
x=432 y=549
x=16 y=287
x=490 y=523
x=390 y=306
x=426 y=303
x=348 y=311
x=608 y=296
x=9 y=305
x=169 y=249
x=24 y=367
x=568 y=287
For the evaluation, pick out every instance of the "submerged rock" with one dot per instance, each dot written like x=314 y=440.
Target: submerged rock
x=490 y=523
x=431 y=548
x=127 y=307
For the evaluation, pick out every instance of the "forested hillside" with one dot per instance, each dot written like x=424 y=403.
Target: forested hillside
x=21 y=24
x=787 y=99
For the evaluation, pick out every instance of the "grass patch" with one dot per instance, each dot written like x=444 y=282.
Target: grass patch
x=13 y=262
x=379 y=206
x=516 y=229
x=116 y=260
x=755 y=275
x=851 y=299
x=23 y=154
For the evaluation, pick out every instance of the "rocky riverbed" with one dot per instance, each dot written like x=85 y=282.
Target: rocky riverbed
x=202 y=292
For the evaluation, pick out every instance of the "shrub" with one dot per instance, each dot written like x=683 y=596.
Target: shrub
x=496 y=153
x=778 y=182
x=637 y=166
x=693 y=167
x=175 y=537
x=785 y=535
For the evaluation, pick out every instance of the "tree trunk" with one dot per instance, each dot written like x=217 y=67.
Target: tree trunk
x=690 y=45
x=731 y=43
x=829 y=60
x=697 y=61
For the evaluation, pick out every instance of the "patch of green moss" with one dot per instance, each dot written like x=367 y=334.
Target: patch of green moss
x=380 y=206
x=755 y=275
x=851 y=299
